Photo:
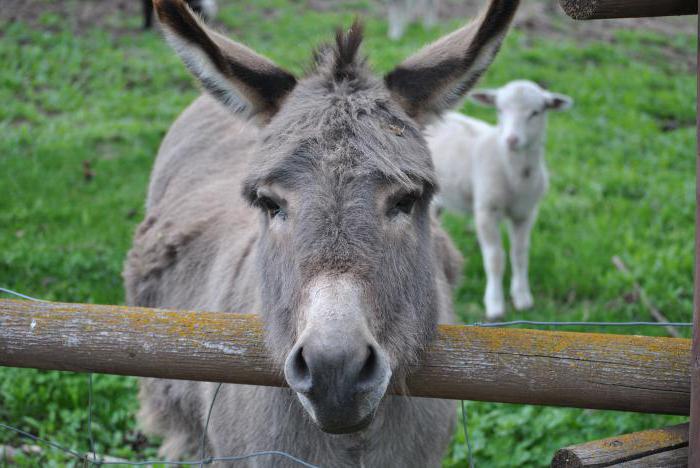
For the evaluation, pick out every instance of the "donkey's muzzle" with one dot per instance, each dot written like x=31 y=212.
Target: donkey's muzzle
x=339 y=379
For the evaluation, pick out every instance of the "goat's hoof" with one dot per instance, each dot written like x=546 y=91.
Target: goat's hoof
x=495 y=313
x=523 y=301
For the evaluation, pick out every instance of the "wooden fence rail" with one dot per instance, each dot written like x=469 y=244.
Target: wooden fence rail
x=585 y=370
x=602 y=9
x=665 y=447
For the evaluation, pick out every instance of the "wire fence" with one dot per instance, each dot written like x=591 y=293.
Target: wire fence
x=91 y=458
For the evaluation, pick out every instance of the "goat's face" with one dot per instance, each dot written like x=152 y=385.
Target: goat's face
x=522 y=108
x=343 y=180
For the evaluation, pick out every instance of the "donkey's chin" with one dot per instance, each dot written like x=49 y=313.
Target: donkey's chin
x=339 y=420
x=364 y=424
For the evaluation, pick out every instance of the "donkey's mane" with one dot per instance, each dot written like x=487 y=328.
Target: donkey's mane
x=342 y=118
x=340 y=61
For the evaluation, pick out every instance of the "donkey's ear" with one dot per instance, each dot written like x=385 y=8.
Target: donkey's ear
x=238 y=77
x=436 y=78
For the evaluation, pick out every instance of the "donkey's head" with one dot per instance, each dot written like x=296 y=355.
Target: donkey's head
x=343 y=180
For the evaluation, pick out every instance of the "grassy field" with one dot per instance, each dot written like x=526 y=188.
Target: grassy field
x=622 y=164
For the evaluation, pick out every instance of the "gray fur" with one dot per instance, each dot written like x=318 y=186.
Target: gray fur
x=341 y=148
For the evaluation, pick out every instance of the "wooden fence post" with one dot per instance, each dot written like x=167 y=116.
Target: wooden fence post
x=603 y=9
x=694 y=449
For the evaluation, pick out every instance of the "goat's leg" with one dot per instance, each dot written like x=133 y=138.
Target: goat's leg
x=489 y=235
x=519 y=253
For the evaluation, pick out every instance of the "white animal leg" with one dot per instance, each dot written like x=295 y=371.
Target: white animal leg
x=430 y=13
x=399 y=16
x=519 y=253
x=494 y=261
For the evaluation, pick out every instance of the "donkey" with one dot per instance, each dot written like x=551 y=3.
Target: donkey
x=331 y=242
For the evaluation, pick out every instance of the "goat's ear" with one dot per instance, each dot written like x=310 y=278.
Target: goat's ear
x=242 y=80
x=558 y=102
x=485 y=97
x=436 y=78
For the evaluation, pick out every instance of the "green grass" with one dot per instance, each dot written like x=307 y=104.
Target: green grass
x=620 y=186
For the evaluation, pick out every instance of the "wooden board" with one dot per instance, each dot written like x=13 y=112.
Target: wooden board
x=694 y=450
x=602 y=9
x=677 y=458
x=666 y=447
x=586 y=370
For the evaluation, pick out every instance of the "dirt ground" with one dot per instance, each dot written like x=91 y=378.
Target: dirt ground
x=536 y=18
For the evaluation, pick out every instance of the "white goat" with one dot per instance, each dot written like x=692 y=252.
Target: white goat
x=495 y=173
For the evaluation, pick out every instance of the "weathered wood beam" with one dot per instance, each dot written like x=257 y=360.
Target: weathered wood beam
x=666 y=447
x=603 y=9
x=604 y=371
x=694 y=450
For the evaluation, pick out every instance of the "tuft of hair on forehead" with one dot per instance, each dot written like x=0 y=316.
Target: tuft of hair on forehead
x=346 y=48
x=340 y=61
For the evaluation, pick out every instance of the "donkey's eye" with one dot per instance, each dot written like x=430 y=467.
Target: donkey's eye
x=403 y=205
x=272 y=207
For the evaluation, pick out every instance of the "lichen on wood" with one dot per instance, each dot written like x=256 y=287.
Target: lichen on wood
x=586 y=370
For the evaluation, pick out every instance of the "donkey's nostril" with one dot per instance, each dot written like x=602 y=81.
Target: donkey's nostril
x=297 y=371
x=369 y=367
x=300 y=364
x=368 y=373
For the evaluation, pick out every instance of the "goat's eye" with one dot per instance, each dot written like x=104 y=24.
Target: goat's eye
x=535 y=113
x=272 y=208
x=403 y=205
